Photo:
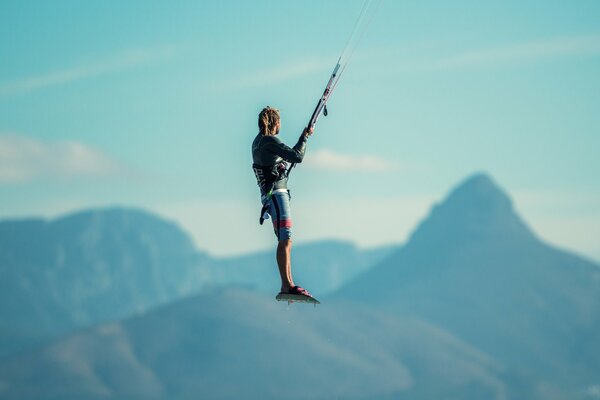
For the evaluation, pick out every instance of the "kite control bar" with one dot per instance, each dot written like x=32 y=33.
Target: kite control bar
x=322 y=104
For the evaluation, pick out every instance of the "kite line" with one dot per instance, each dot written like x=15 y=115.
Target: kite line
x=367 y=13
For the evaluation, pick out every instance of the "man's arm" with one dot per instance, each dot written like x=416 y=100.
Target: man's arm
x=292 y=154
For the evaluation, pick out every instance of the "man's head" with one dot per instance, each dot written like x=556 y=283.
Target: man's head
x=269 y=122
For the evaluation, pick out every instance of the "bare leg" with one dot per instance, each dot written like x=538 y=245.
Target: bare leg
x=284 y=250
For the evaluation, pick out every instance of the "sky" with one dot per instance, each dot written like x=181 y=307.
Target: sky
x=154 y=105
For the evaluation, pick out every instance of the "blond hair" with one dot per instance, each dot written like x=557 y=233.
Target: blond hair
x=267 y=121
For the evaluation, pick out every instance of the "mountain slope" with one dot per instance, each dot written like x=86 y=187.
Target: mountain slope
x=321 y=267
x=91 y=266
x=107 y=264
x=475 y=268
x=241 y=344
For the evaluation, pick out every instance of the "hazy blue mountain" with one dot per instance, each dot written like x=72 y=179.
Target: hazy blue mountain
x=102 y=265
x=474 y=306
x=89 y=267
x=241 y=344
x=474 y=268
x=321 y=266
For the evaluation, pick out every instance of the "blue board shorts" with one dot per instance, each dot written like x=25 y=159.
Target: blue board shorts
x=281 y=214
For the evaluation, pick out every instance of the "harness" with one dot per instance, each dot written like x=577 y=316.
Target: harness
x=267 y=177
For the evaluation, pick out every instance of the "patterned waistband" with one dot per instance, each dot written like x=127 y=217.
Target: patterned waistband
x=263 y=198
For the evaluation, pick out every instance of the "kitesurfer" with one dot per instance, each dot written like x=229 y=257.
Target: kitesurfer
x=270 y=163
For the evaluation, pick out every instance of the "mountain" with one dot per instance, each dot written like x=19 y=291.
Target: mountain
x=107 y=264
x=91 y=266
x=241 y=344
x=321 y=266
x=474 y=306
x=474 y=268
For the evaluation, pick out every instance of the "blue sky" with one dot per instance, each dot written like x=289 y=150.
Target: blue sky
x=152 y=104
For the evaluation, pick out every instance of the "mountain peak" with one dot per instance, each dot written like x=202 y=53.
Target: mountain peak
x=475 y=208
x=479 y=193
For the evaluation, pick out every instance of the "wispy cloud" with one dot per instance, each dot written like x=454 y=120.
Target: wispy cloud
x=330 y=160
x=118 y=62
x=511 y=54
x=526 y=52
x=24 y=159
x=279 y=73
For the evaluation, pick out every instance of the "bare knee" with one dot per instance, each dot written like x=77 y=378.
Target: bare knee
x=285 y=244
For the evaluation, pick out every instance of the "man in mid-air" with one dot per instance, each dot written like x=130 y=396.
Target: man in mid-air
x=270 y=163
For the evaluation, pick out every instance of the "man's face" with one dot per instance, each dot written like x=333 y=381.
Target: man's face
x=278 y=127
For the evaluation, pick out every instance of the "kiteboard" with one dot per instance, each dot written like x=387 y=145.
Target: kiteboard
x=296 y=298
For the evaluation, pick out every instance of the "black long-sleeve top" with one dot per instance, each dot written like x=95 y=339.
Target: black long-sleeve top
x=268 y=153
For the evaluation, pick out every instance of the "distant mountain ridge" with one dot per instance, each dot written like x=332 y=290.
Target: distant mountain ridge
x=240 y=344
x=101 y=265
x=476 y=209
x=322 y=266
x=91 y=266
x=474 y=268
x=473 y=306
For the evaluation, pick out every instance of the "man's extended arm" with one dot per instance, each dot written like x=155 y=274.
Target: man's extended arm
x=292 y=154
